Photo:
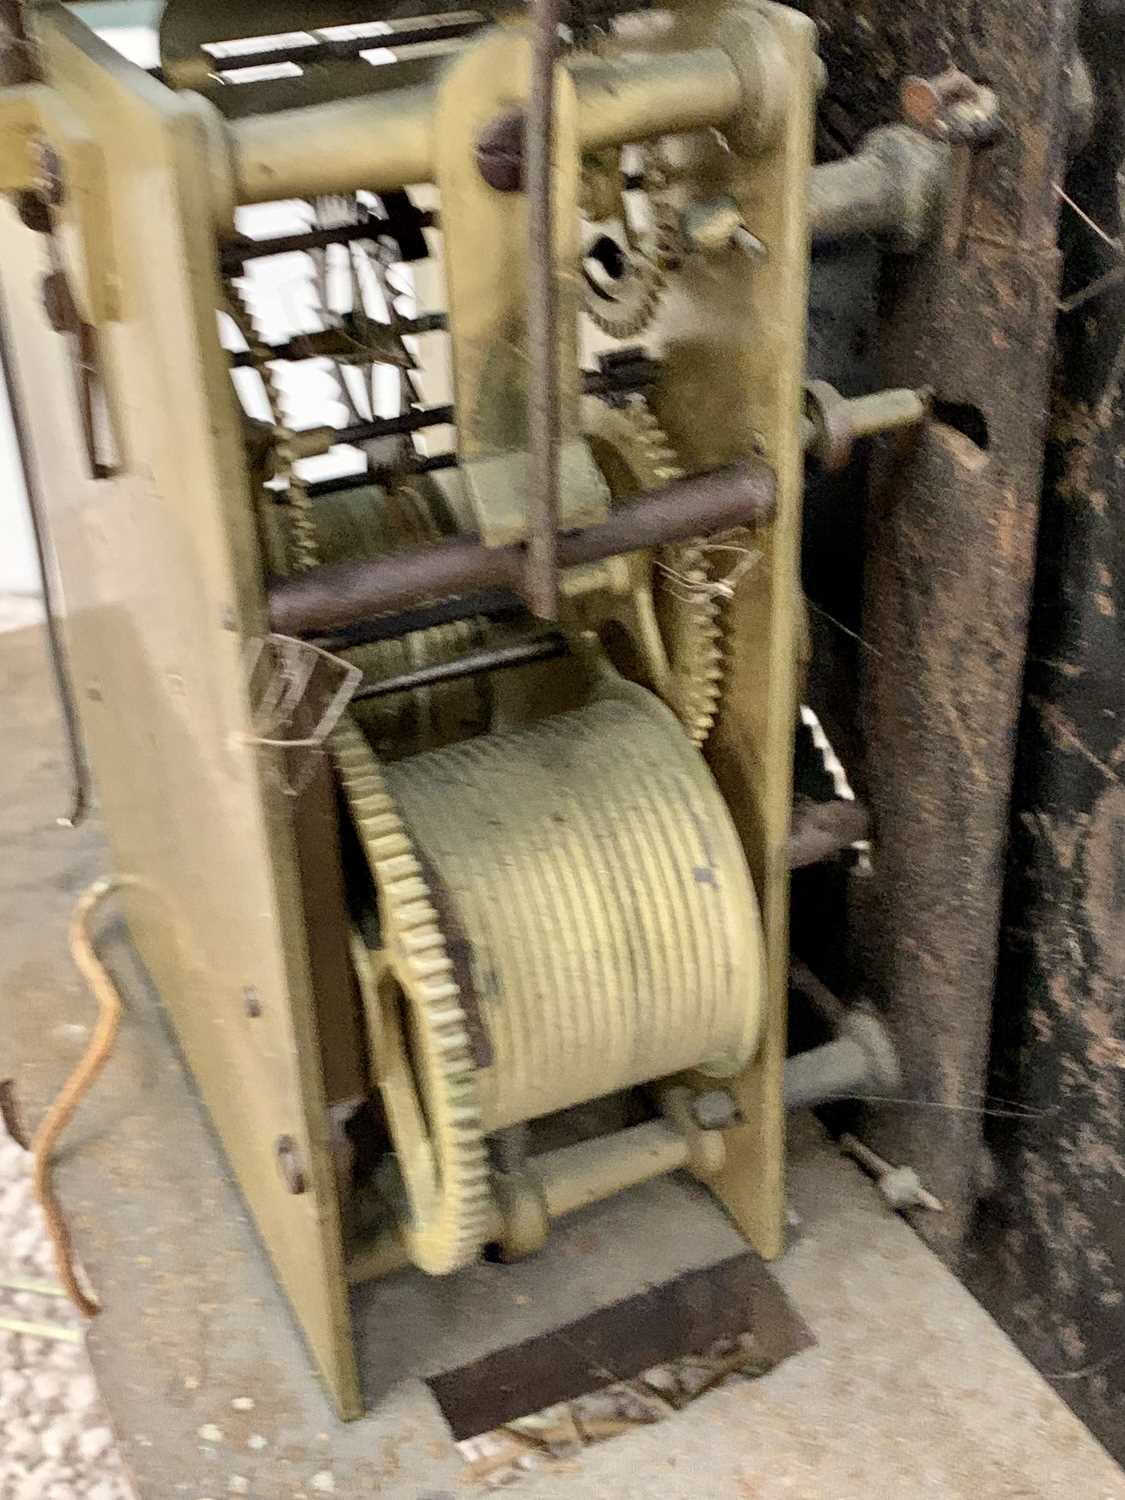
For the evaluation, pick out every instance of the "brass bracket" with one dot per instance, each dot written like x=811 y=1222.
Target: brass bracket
x=485 y=236
x=46 y=149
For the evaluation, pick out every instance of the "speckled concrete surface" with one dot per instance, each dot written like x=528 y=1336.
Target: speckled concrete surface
x=55 y=1438
x=912 y=1392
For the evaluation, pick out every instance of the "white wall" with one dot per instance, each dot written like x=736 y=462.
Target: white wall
x=19 y=572
x=280 y=292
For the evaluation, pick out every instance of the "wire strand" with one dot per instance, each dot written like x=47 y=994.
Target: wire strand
x=74 y=1090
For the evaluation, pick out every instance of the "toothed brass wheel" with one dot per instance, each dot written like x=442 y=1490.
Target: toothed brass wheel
x=420 y=1036
x=665 y=630
x=368 y=524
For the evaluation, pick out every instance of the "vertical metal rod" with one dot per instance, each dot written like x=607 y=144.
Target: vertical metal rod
x=543 y=402
x=80 y=780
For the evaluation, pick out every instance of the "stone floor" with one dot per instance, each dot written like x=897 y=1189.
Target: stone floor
x=911 y=1391
x=55 y=1438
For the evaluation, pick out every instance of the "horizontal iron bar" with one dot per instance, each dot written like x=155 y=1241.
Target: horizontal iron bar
x=340 y=594
x=236 y=253
x=472 y=664
x=409 y=421
x=428 y=463
x=571 y=1178
x=612 y=381
x=382 y=141
x=489 y=604
x=318 y=344
x=343 y=49
x=821 y=830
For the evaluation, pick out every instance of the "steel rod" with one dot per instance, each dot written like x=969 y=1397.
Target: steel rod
x=489 y=604
x=235 y=255
x=542 y=585
x=408 y=421
x=362 y=479
x=821 y=830
x=383 y=141
x=341 y=594
x=472 y=664
x=319 y=439
x=840 y=1069
x=572 y=1178
x=343 y=49
x=323 y=343
x=44 y=554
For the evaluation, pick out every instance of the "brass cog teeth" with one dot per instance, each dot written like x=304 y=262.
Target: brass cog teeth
x=391 y=845
x=438 y=991
x=418 y=914
x=693 y=629
x=410 y=893
x=396 y=867
x=462 y=1224
x=433 y=968
x=631 y=319
x=451 y=1228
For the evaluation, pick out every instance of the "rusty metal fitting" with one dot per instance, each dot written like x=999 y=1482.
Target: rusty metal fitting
x=707 y=1152
x=900 y=1187
x=524 y=1222
x=334 y=596
x=835 y=423
x=951 y=107
x=500 y=150
x=763 y=70
x=715 y=224
x=34 y=205
x=289 y=1165
x=714 y=1109
x=893 y=187
x=58 y=303
x=820 y=831
x=860 y=1062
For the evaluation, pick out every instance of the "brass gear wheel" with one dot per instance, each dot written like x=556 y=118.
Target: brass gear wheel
x=624 y=303
x=673 y=618
x=368 y=524
x=429 y=1085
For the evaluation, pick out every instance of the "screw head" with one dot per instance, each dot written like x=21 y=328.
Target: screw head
x=58 y=304
x=500 y=151
x=289 y=1165
x=714 y=1110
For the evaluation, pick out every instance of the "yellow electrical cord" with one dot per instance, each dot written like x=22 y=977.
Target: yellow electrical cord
x=94 y=1059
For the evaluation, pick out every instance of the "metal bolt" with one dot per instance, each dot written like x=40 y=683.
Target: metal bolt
x=57 y=302
x=714 y=1110
x=500 y=149
x=834 y=423
x=900 y=1187
x=750 y=245
x=34 y=211
x=715 y=224
x=951 y=107
x=289 y=1164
